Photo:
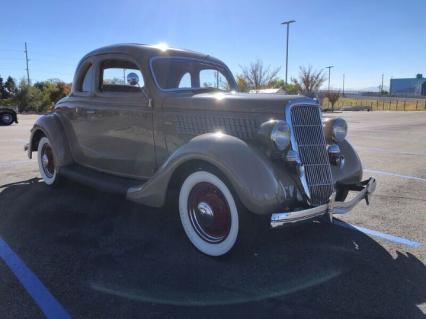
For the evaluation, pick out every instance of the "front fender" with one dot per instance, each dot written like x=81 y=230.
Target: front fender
x=250 y=173
x=50 y=126
x=351 y=172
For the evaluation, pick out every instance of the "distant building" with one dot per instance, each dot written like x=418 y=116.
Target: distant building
x=408 y=87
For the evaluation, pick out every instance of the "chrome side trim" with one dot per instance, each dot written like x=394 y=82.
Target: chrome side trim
x=332 y=207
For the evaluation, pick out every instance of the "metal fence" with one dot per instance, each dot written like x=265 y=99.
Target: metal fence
x=380 y=103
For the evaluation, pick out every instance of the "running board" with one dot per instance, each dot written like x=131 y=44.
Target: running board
x=98 y=180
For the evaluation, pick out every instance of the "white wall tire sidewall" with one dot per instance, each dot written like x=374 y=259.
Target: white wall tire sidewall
x=48 y=180
x=205 y=247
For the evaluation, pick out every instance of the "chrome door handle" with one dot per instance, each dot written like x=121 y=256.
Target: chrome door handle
x=90 y=111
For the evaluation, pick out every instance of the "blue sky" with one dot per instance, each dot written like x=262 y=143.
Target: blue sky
x=362 y=39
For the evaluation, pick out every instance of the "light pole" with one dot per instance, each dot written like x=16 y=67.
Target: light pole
x=287 y=23
x=329 y=72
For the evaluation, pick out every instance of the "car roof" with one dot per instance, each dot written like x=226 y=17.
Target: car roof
x=148 y=51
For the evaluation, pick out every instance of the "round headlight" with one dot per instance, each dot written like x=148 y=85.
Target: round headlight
x=335 y=129
x=340 y=129
x=280 y=135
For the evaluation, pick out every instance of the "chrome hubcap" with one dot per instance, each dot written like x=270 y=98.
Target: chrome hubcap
x=47 y=161
x=205 y=210
x=6 y=118
x=209 y=212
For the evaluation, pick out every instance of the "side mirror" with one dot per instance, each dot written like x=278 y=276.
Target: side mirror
x=132 y=79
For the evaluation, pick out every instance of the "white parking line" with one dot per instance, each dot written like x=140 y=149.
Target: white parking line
x=11 y=163
x=375 y=171
x=395 y=239
x=382 y=150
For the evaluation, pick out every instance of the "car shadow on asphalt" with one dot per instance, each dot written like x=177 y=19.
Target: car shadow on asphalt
x=103 y=256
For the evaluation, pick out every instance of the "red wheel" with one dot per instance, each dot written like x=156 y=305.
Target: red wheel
x=208 y=213
x=46 y=162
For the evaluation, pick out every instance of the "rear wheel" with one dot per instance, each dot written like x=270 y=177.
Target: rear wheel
x=6 y=118
x=46 y=162
x=209 y=213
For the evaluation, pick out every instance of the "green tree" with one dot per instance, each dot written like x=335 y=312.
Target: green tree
x=40 y=97
x=3 y=91
x=28 y=98
x=10 y=86
x=62 y=89
x=47 y=89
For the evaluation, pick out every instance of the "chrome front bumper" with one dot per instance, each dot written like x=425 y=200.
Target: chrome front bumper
x=367 y=188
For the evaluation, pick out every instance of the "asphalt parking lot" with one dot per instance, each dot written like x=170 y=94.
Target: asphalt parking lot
x=73 y=251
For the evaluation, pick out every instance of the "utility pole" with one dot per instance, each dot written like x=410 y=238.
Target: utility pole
x=329 y=74
x=287 y=23
x=343 y=90
x=26 y=60
x=382 y=84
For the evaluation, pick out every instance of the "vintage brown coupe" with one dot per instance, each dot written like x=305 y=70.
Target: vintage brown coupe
x=142 y=120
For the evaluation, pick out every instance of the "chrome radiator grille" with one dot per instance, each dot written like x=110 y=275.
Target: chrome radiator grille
x=309 y=136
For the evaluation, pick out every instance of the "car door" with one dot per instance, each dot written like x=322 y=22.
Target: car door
x=114 y=128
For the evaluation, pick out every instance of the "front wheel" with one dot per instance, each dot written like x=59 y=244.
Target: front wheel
x=209 y=214
x=46 y=162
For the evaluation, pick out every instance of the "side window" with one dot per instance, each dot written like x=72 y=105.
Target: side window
x=213 y=78
x=185 y=81
x=86 y=82
x=120 y=76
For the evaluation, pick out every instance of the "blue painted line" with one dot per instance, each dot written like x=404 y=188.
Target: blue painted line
x=375 y=171
x=396 y=239
x=42 y=297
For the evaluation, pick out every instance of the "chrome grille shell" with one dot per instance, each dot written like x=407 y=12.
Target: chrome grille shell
x=309 y=141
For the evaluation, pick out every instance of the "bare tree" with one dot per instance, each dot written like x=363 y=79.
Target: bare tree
x=309 y=80
x=257 y=76
x=332 y=97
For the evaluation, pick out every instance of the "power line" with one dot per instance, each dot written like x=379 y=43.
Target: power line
x=26 y=60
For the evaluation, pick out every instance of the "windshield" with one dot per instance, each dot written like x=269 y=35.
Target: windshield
x=190 y=74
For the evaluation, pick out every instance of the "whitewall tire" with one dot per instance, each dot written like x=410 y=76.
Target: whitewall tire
x=209 y=214
x=46 y=162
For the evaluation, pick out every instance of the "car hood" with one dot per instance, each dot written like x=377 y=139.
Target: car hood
x=234 y=102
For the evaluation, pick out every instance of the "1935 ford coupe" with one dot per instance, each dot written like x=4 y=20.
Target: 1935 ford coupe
x=141 y=120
